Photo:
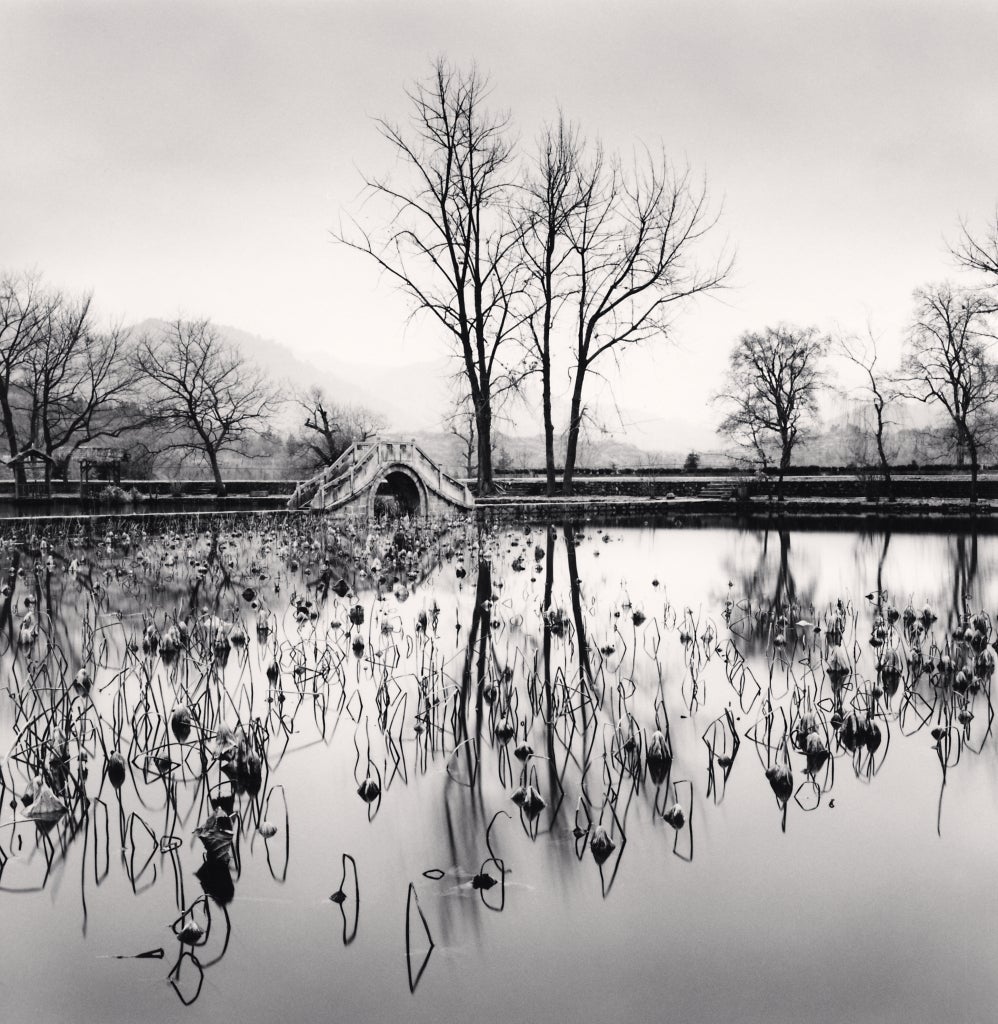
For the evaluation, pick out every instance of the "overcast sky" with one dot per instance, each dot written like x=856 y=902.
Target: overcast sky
x=193 y=157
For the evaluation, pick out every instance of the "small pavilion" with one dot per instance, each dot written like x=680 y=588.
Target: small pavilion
x=35 y=478
x=99 y=467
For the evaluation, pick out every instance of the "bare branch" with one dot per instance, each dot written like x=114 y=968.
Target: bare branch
x=208 y=399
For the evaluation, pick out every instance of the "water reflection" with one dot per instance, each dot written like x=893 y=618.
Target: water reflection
x=525 y=688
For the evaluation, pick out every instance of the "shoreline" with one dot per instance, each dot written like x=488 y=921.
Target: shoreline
x=930 y=514
x=794 y=513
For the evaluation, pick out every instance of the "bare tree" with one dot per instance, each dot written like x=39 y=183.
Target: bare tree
x=208 y=398
x=79 y=383
x=453 y=241
x=634 y=236
x=63 y=381
x=330 y=428
x=979 y=252
x=878 y=389
x=744 y=424
x=771 y=391
x=949 y=361
x=24 y=308
x=460 y=422
x=553 y=194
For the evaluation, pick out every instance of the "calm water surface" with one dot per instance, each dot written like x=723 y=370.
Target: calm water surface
x=522 y=710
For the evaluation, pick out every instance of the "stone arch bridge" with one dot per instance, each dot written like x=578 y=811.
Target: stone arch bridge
x=372 y=469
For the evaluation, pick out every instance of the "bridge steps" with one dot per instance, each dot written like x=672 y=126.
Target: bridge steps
x=352 y=482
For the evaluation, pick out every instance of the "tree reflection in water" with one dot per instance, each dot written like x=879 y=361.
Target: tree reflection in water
x=142 y=711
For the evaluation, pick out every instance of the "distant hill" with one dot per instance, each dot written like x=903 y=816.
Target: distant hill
x=411 y=397
x=511 y=452
x=415 y=397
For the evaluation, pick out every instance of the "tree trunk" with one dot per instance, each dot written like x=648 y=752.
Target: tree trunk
x=784 y=466
x=546 y=363
x=20 y=478
x=216 y=473
x=574 y=429
x=885 y=466
x=974 y=468
x=483 y=421
x=548 y=423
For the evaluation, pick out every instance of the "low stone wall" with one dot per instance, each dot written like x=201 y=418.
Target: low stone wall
x=905 y=487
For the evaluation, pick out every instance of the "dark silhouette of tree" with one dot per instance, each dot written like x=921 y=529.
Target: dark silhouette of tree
x=64 y=382
x=24 y=308
x=207 y=398
x=553 y=188
x=979 y=251
x=771 y=391
x=634 y=235
x=878 y=388
x=948 y=361
x=330 y=428
x=80 y=383
x=453 y=241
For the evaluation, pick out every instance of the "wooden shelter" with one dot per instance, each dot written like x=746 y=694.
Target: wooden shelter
x=32 y=473
x=99 y=467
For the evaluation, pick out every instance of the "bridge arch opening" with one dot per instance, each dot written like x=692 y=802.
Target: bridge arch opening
x=397 y=494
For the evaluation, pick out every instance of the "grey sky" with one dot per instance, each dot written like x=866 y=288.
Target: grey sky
x=192 y=157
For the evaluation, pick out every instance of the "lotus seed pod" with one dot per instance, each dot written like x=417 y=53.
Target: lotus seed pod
x=191 y=934
x=116 y=769
x=180 y=722
x=781 y=781
x=369 y=790
x=675 y=816
x=601 y=845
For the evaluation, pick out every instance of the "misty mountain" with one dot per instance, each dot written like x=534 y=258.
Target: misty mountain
x=411 y=397
x=415 y=398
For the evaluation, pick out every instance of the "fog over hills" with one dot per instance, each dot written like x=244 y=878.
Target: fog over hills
x=412 y=396
x=415 y=399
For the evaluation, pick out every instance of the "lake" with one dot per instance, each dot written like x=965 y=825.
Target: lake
x=278 y=767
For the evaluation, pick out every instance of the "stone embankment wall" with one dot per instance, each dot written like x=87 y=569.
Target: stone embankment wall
x=852 y=487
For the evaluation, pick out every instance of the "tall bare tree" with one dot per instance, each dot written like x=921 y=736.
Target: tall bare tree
x=949 y=361
x=79 y=383
x=878 y=389
x=63 y=380
x=453 y=241
x=208 y=398
x=635 y=235
x=553 y=190
x=772 y=388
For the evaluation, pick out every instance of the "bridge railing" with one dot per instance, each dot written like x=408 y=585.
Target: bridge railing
x=349 y=472
x=447 y=485
x=331 y=477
